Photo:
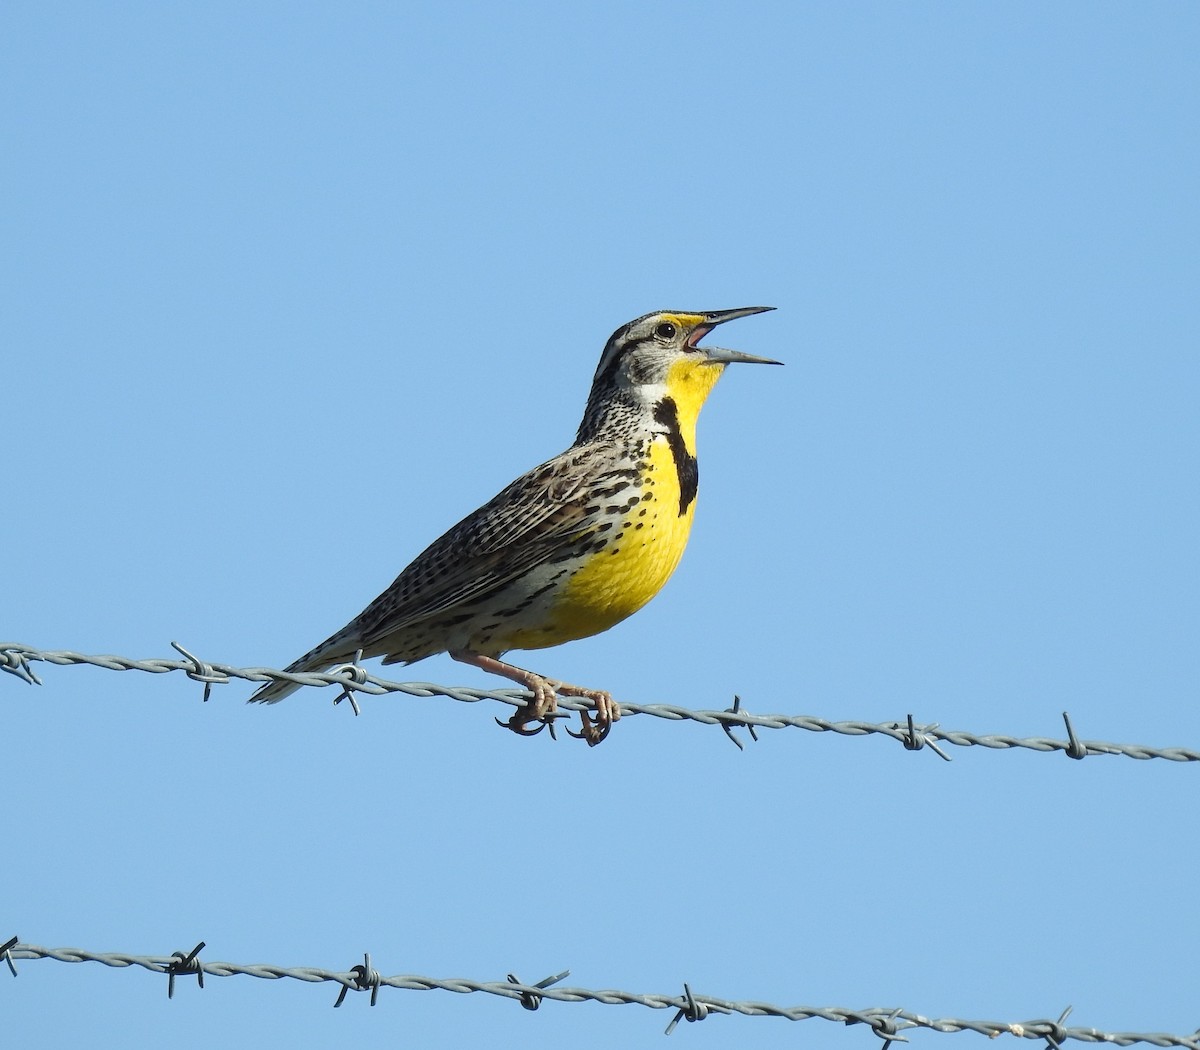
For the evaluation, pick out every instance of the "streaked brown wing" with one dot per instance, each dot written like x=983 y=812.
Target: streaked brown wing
x=525 y=523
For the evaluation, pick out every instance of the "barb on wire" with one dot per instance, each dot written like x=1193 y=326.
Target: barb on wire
x=728 y=726
x=887 y=1023
x=14 y=656
x=200 y=671
x=916 y=737
x=6 y=952
x=363 y=977
x=1075 y=748
x=1057 y=1034
x=886 y=1027
x=16 y=662
x=352 y=676
x=692 y=1009
x=184 y=963
x=531 y=1000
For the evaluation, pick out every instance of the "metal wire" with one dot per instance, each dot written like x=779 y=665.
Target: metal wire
x=17 y=659
x=887 y=1023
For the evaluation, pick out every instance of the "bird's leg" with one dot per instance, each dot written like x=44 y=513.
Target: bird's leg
x=540 y=709
x=545 y=697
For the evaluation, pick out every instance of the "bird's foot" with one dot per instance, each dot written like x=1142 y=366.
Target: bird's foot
x=607 y=712
x=542 y=708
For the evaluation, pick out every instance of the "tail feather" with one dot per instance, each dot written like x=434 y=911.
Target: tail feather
x=328 y=654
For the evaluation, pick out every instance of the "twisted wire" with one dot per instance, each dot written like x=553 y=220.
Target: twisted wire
x=17 y=660
x=887 y=1023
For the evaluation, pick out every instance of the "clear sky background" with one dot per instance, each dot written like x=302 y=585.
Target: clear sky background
x=288 y=289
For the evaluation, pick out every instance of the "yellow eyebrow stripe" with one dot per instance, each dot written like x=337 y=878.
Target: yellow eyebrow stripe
x=684 y=320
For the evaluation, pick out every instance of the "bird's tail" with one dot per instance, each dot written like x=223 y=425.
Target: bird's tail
x=332 y=651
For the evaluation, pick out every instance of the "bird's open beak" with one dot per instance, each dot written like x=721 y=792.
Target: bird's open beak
x=718 y=354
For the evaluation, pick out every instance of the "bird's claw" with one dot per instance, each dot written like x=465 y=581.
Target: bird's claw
x=592 y=732
x=520 y=719
x=607 y=712
x=540 y=709
x=517 y=725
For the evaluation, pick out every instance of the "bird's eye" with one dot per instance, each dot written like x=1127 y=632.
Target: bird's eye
x=666 y=330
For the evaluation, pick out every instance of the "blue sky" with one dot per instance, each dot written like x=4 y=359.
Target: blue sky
x=289 y=289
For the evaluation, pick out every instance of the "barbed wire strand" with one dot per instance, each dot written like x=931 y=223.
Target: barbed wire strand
x=17 y=659
x=887 y=1023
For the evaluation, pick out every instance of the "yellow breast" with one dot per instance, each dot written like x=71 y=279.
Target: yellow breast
x=648 y=544
x=613 y=583
x=647 y=541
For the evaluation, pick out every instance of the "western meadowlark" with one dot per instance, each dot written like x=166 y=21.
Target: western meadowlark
x=574 y=546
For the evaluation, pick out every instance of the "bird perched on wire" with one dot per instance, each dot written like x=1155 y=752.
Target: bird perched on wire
x=572 y=547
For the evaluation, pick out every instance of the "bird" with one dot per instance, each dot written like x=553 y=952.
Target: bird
x=570 y=548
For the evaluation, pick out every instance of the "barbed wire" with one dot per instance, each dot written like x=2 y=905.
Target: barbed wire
x=17 y=659
x=886 y=1022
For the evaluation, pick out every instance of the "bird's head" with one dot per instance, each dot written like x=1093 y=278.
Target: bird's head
x=658 y=355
